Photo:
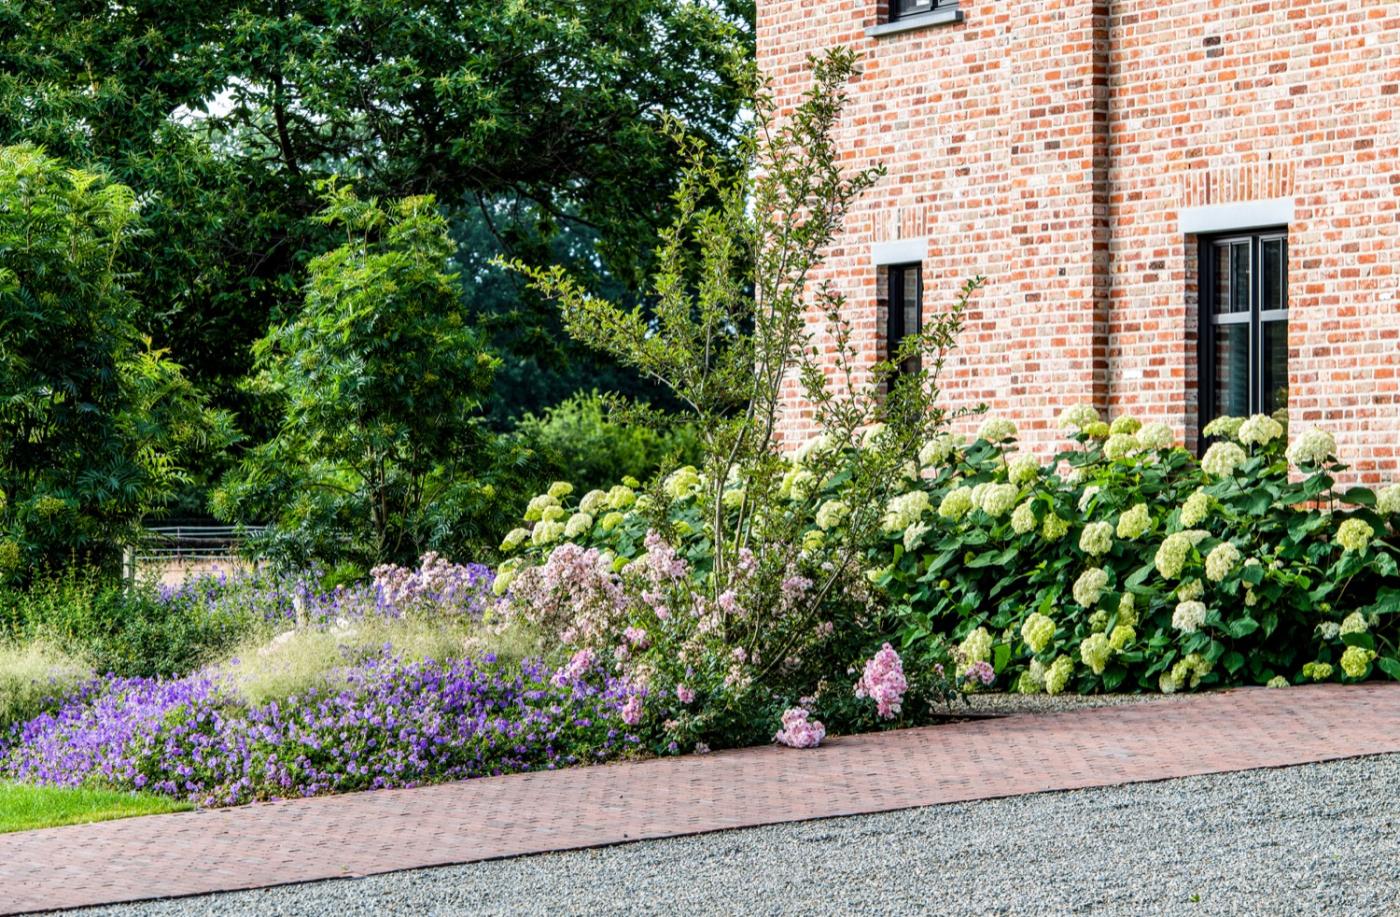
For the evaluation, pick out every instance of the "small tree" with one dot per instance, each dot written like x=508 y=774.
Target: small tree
x=732 y=302
x=95 y=426
x=381 y=379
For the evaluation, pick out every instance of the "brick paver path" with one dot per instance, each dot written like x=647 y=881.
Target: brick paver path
x=296 y=841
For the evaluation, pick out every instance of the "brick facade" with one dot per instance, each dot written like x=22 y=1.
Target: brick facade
x=1053 y=146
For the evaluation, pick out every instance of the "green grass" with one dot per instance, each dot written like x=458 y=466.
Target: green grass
x=24 y=807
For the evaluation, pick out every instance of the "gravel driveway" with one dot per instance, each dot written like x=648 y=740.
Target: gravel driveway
x=1315 y=839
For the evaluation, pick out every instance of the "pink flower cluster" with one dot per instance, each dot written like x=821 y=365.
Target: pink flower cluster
x=685 y=695
x=883 y=682
x=575 y=668
x=981 y=671
x=799 y=731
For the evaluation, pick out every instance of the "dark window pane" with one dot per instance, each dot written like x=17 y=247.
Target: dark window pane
x=1231 y=370
x=1274 y=365
x=910 y=7
x=1232 y=277
x=1273 y=276
x=912 y=317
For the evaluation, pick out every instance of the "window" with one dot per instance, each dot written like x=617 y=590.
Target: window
x=1244 y=327
x=902 y=9
x=905 y=308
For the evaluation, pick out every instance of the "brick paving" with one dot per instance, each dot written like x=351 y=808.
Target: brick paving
x=332 y=837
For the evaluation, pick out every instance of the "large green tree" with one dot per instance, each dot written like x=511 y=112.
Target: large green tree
x=95 y=425
x=380 y=381
x=225 y=114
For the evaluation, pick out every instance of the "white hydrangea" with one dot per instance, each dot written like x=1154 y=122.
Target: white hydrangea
x=621 y=496
x=1078 y=417
x=1312 y=448
x=1119 y=446
x=1022 y=470
x=1171 y=555
x=1196 y=508
x=1189 y=616
x=1023 y=518
x=537 y=505
x=593 y=501
x=1354 y=535
x=1224 y=426
x=1221 y=561
x=733 y=497
x=1388 y=500
x=956 y=503
x=1127 y=609
x=1125 y=423
x=560 y=489
x=1088 y=589
x=1260 y=430
x=831 y=514
x=1096 y=539
x=1134 y=522
x=797 y=484
x=938 y=449
x=546 y=532
x=1191 y=589
x=904 y=510
x=1355 y=623
x=872 y=435
x=914 y=535
x=1222 y=458
x=1156 y=436
x=996 y=430
x=578 y=524
x=514 y=539
x=998 y=499
x=1087 y=497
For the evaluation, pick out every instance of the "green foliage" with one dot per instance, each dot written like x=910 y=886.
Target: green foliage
x=95 y=426
x=381 y=453
x=523 y=118
x=26 y=808
x=592 y=447
x=1143 y=568
x=119 y=629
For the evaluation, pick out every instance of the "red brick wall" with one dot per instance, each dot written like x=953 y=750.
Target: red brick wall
x=1050 y=146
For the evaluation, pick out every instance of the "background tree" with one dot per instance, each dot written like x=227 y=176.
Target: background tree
x=381 y=381
x=94 y=424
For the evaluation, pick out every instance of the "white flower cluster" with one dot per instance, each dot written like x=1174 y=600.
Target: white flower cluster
x=1156 y=436
x=1023 y=518
x=1088 y=589
x=1388 y=500
x=831 y=514
x=996 y=430
x=1189 y=616
x=1224 y=426
x=1354 y=535
x=938 y=449
x=956 y=503
x=1078 y=417
x=1312 y=448
x=1222 y=458
x=1171 y=555
x=1096 y=539
x=1119 y=446
x=904 y=510
x=1260 y=430
x=1022 y=470
x=1196 y=508
x=995 y=500
x=1134 y=522
x=1221 y=561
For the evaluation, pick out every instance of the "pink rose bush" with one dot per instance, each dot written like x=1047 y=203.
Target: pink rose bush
x=883 y=682
x=799 y=730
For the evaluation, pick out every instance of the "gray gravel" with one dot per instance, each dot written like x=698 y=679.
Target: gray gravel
x=1008 y=703
x=1317 y=839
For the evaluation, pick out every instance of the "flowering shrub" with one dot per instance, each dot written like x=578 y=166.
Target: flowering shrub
x=393 y=724
x=1127 y=563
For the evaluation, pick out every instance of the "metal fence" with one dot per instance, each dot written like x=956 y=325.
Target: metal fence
x=162 y=545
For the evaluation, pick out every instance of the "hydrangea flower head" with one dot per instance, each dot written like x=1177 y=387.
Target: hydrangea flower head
x=798 y=483
x=998 y=499
x=1314 y=447
x=1088 y=589
x=1096 y=430
x=1038 y=630
x=1171 y=555
x=1225 y=426
x=883 y=682
x=955 y=504
x=1122 y=635
x=560 y=489
x=1259 y=430
x=1124 y=424
x=546 y=531
x=1356 y=660
x=1127 y=610
x=976 y=646
x=1053 y=528
x=682 y=482
x=1189 y=616
x=1078 y=417
x=1196 y=508
x=1317 y=671
x=1221 y=561
x=799 y=730
x=514 y=539
x=1190 y=670
x=1156 y=436
x=1096 y=539
x=1023 y=518
x=621 y=497
x=578 y=524
x=1119 y=446
x=535 y=510
x=904 y=510
x=593 y=501
x=1029 y=684
x=1355 y=623
x=831 y=514
x=1354 y=535
x=610 y=521
x=938 y=449
x=1222 y=458
x=1095 y=651
x=996 y=430
x=1022 y=470
x=1058 y=674
x=914 y=535
x=1278 y=681
x=1388 y=500
x=1134 y=522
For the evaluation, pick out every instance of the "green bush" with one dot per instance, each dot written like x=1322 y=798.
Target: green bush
x=587 y=447
x=125 y=630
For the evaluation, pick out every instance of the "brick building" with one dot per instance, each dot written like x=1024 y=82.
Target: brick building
x=1119 y=169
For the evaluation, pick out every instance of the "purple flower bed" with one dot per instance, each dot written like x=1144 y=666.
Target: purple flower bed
x=396 y=724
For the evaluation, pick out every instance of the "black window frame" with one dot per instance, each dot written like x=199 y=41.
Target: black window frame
x=895 y=330
x=916 y=8
x=1255 y=318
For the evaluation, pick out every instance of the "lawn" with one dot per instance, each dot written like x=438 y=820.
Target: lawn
x=24 y=807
